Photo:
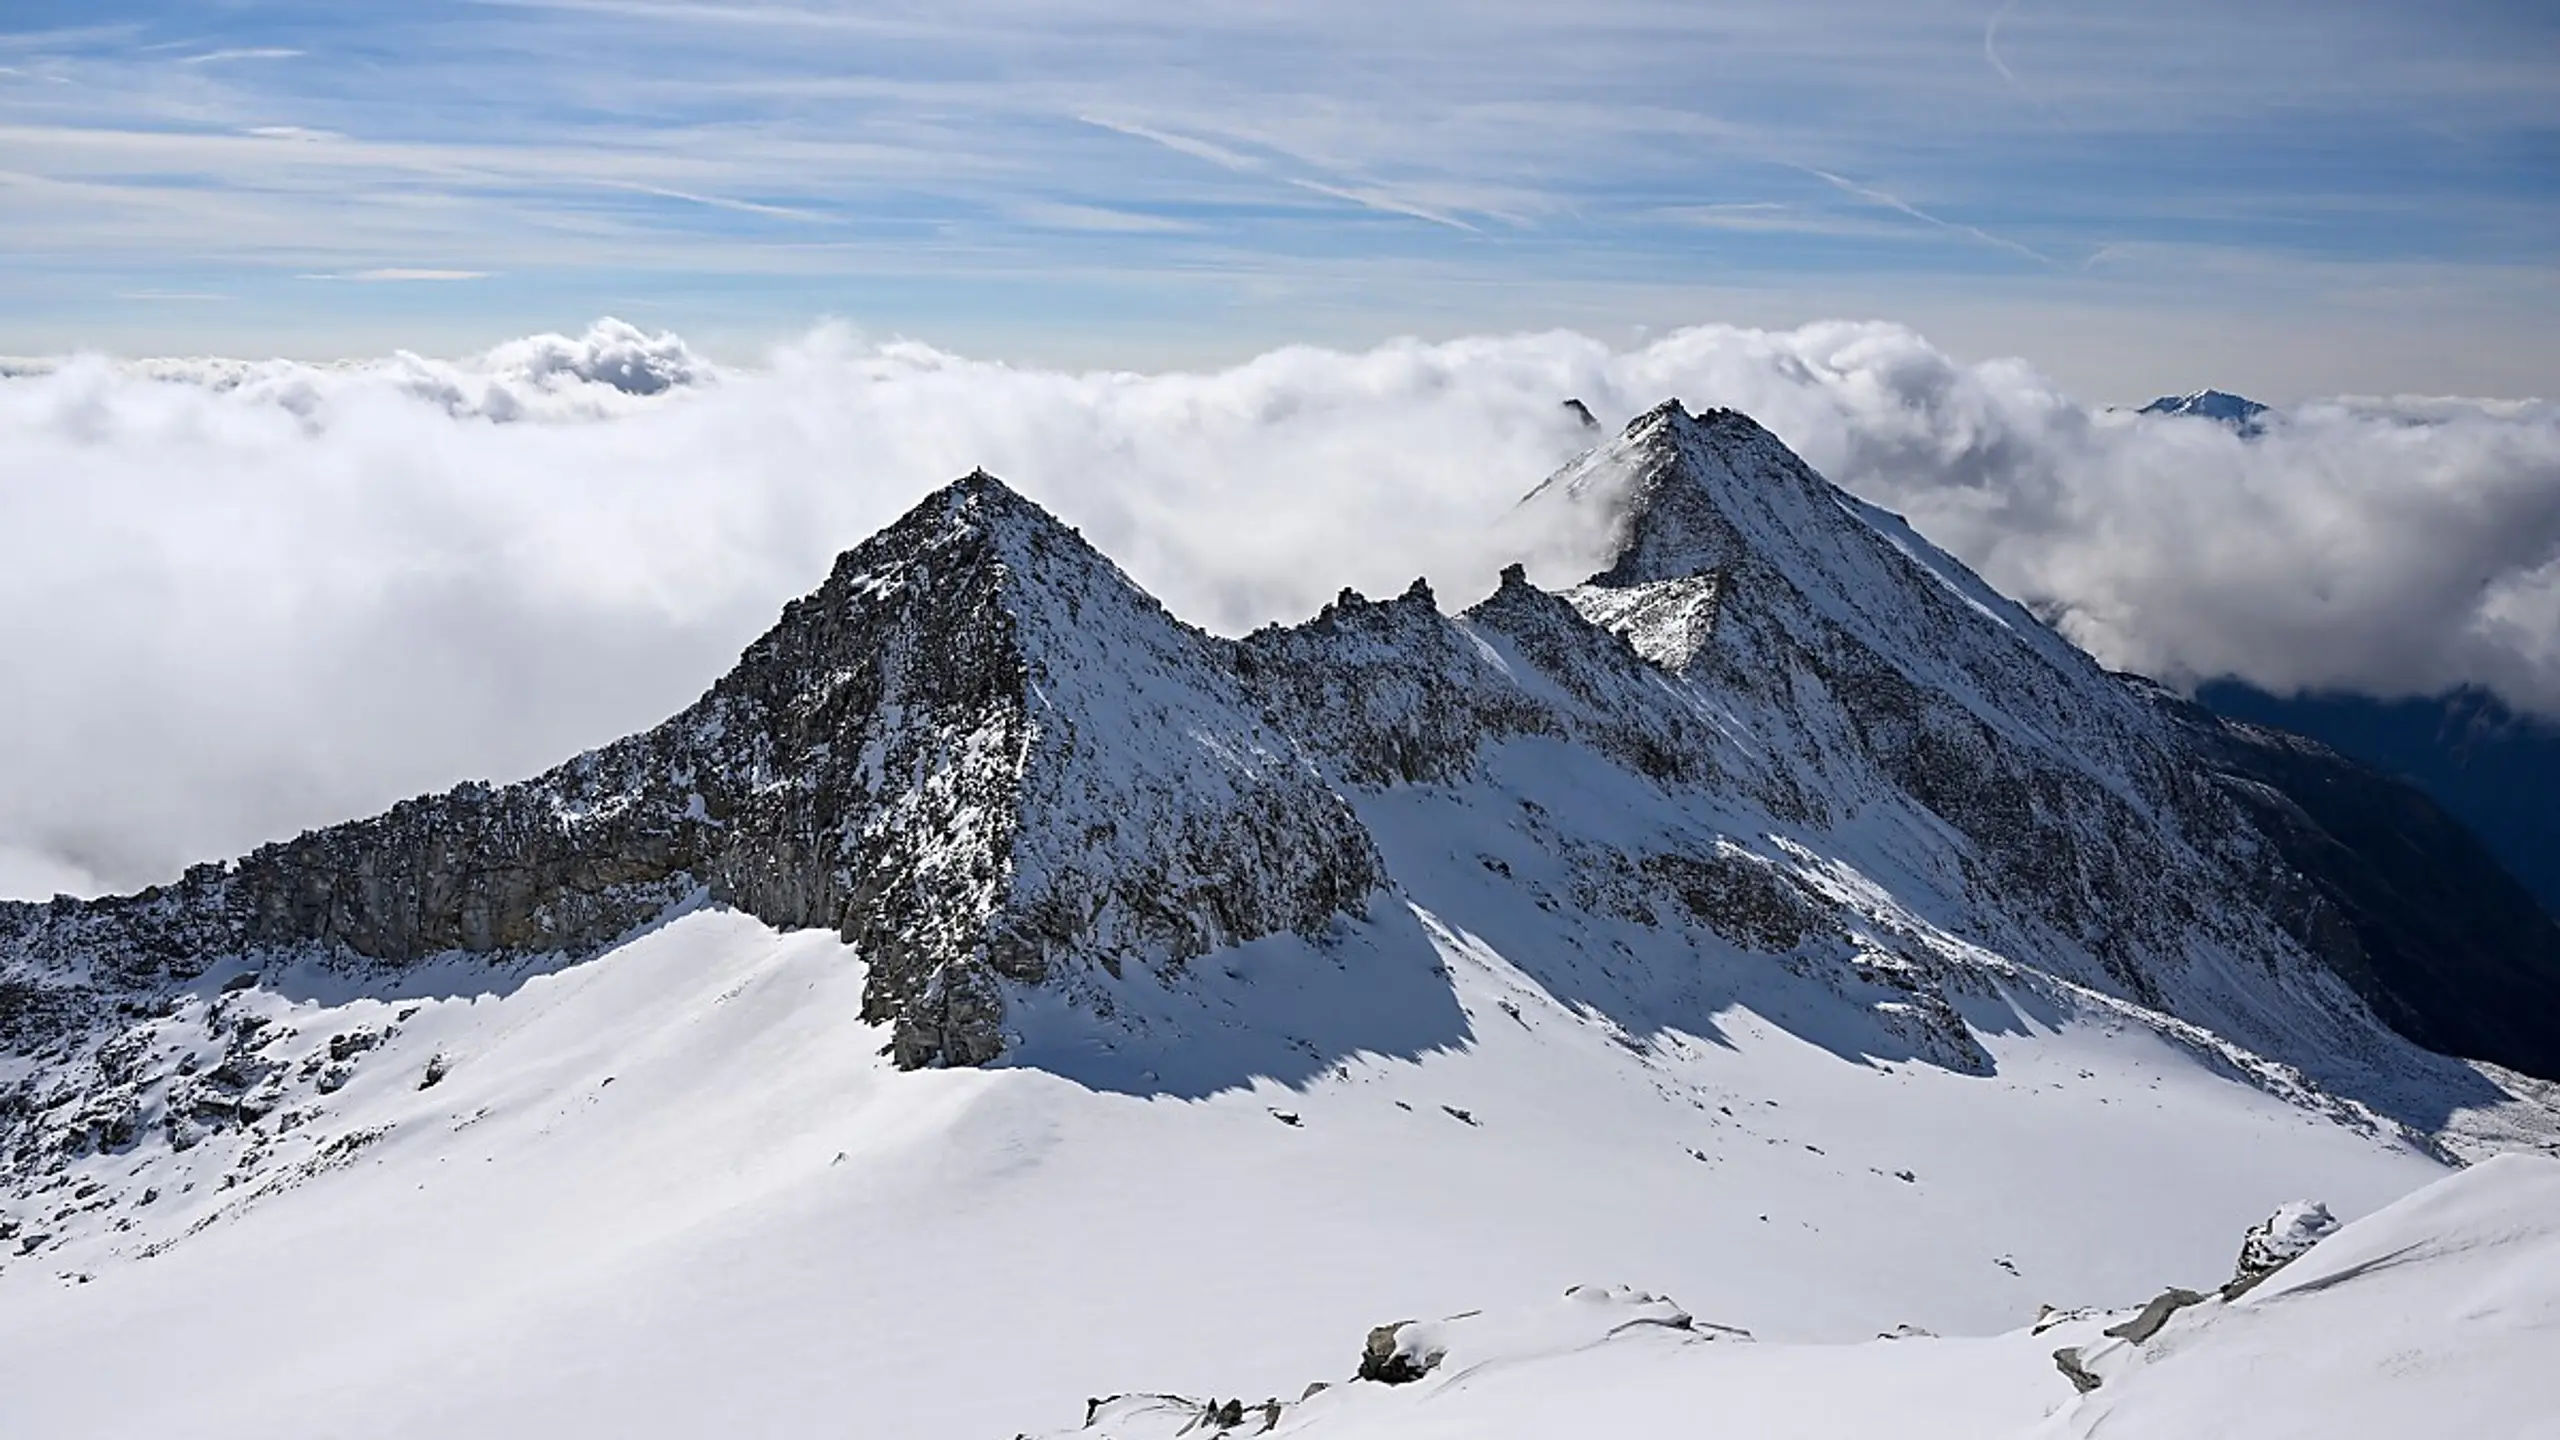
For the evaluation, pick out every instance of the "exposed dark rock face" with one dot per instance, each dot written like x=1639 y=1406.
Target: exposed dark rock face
x=2278 y=1241
x=2067 y=1360
x=1387 y=692
x=977 y=751
x=1749 y=902
x=1384 y=1359
x=2147 y=1321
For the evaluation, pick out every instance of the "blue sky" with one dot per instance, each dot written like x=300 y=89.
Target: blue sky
x=2291 y=197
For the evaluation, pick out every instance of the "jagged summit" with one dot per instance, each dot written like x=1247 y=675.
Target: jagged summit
x=979 y=501
x=1715 y=497
x=977 y=529
x=1028 y=764
x=978 y=750
x=1670 y=477
x=975 y=557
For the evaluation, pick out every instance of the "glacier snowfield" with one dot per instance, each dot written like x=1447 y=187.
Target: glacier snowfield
x=677 y=1191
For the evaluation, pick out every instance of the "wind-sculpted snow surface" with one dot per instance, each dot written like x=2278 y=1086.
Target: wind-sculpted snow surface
x=1780 y=759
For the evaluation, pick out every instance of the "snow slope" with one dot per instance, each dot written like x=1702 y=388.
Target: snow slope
x=2437 y=1316
x=677 y=1190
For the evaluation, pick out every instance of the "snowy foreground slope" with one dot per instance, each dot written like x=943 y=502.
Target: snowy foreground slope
x=2437 y=1316
x=678 y=1192
x=996 y=993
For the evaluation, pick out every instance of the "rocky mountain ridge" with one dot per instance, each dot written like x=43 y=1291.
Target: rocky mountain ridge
x=930 y=755
x=993 y=765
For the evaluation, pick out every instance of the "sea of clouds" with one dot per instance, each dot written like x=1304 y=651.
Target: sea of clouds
x=238 y=599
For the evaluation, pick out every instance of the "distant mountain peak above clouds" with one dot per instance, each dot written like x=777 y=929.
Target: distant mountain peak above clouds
x=2237 y=411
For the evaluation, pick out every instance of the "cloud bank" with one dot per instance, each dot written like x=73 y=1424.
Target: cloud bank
x=238 y=599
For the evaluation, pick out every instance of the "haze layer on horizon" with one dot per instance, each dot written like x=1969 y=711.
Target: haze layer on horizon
x=2289 y=198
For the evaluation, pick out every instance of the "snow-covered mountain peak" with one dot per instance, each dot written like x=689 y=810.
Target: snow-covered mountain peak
x=979 y=503
x=1713 y=520
x=980 y=535
x=2238 y=411
x=1861 y=679
x=1681 y=494
x=1715 y=494
x=1031 y=769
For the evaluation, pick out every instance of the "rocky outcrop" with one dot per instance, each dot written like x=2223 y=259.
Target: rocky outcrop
x=1129 y=1417
x=2278 y=1241
x=2147 y=1321
x=1386 y=1361
x=2067 y=1360
x=2270 y=1245
x=1388 y=692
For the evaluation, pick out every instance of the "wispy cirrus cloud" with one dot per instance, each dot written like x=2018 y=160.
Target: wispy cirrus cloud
x=1192 y=146
x=722 y=202
x=1899 y=206
x=1772 y=217
x=1522 y=162
x=228 y=57
x=396 y=275
x=1991 y=42
x=1378 y=198
x=1098 y=219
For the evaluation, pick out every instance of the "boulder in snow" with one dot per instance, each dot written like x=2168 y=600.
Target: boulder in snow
x=2277 y=1241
